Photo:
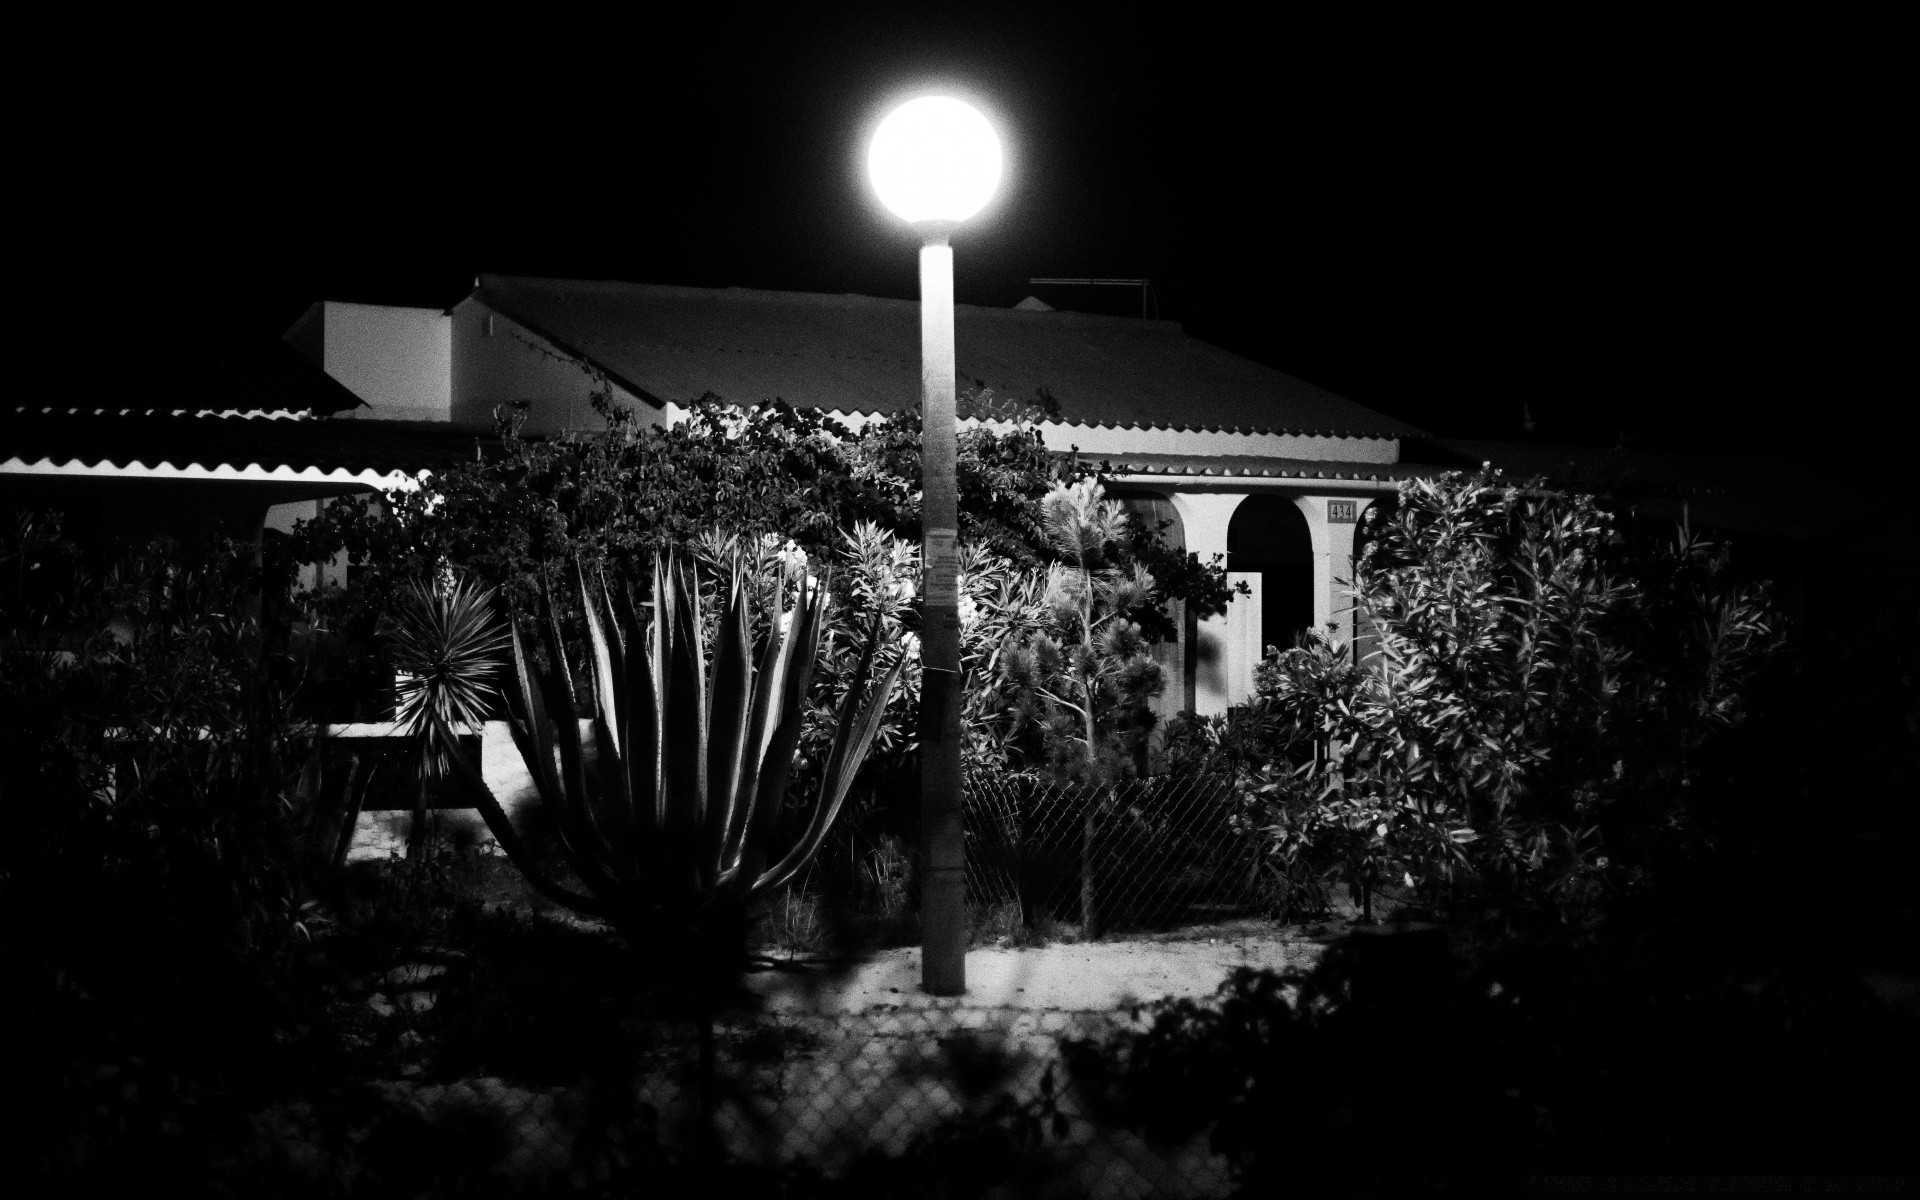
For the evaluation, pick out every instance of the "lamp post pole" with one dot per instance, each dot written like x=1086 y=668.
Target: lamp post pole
x=935 y=161
x=943 y=949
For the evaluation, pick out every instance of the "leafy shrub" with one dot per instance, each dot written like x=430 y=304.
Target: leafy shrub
x=153 y=926
x=613 y=498
x=1531 y=727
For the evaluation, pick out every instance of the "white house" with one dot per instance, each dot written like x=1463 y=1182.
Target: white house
x=170 y=428
x=1248 y=463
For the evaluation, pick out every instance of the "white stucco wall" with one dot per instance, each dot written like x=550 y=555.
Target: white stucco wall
x=1244 y=636
x=283 y=517
x=396 y=359
x=382 y=833
x=1225 y=648
x=497 y=361
x=1205 y=517
x=1332 y=561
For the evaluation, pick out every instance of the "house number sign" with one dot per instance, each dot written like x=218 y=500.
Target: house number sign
x=1343 y=512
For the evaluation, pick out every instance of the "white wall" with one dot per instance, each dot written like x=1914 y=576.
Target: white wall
x=1244 y=637
x=283 y=517
x=498 y=361
x=398 y=360
x=1205 y=518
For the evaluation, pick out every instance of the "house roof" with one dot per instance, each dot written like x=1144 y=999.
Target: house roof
x=862 y=354
x=248 y=445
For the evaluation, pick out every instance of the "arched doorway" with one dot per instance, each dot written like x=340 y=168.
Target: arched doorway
x=1269 y=535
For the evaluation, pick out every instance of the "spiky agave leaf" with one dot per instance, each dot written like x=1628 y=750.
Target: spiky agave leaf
x=693 y=757
x=785 y=692
x=767 y=720
x=546 y=727
x=609 y=807
x=729 y=707
x=853 y=737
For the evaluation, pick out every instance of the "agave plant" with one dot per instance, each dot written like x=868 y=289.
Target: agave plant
x=670 y=821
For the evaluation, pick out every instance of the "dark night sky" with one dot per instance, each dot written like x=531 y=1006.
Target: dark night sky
x=1671 y=231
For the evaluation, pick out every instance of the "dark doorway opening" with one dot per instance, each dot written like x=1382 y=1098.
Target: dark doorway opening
x=1269 y=534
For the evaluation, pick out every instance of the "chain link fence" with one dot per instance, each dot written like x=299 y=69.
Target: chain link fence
x=806 y=1095
x=828 y=1103
x=1140 y=856
x=1048 y=862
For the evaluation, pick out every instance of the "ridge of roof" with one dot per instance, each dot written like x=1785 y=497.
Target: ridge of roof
x=617 y=287
x=671 y=343
x=565 y=347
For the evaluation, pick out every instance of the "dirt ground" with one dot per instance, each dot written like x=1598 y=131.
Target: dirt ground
x=1074 y=976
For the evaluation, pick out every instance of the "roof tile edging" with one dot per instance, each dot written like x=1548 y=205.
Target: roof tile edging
x=1248 y=431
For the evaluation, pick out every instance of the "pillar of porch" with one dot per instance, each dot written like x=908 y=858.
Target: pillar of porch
x=1205 y=517
x=1332 y=522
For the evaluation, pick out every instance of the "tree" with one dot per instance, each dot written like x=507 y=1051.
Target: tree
x=1084 y=679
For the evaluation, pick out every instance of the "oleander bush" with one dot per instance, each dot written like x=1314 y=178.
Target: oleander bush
x=1539 y=719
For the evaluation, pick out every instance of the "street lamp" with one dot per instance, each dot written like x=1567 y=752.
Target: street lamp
x=935 y=162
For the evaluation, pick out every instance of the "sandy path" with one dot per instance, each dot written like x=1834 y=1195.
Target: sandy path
x=876 y=1073
x=1078 y=976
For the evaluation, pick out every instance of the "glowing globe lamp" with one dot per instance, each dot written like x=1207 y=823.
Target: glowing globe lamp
x=934 y=160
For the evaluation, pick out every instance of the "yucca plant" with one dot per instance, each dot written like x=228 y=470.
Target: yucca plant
x=446 y=647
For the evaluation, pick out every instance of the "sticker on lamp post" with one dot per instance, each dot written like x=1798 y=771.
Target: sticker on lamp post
x=941 y=568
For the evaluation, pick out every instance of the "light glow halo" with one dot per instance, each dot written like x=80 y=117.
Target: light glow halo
x=934 y=159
